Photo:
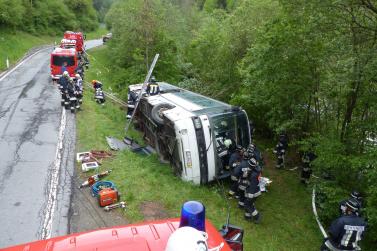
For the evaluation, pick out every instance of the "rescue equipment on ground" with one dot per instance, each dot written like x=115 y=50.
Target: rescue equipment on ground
x=108 y=196
x=89 y=166
x=94 y=178
x=99 y=185
x=121 y=204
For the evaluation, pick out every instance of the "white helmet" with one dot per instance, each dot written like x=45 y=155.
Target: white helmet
x=77 y=76
x=65 y=73
x=187 y=239
x=227 y=143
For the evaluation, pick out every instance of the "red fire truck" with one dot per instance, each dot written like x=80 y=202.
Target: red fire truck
x=159 y=235
x=78 y=36
x=68 y=43
x=61 y=56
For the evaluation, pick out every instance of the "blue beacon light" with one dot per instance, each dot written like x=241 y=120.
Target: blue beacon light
x=193 y=214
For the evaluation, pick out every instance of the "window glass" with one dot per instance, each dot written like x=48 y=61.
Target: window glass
x=59 y=60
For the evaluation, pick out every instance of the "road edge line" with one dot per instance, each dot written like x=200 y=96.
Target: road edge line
x=54 y=182
x=21 y=63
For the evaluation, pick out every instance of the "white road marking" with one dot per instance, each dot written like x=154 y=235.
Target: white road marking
x=21 y=63
x=53 y=187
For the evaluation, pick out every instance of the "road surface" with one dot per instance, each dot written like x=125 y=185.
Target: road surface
x=37 y=141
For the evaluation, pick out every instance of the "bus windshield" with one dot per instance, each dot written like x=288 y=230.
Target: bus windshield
x=233 y=126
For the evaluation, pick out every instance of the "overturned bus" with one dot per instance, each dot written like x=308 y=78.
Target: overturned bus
x=191 y=131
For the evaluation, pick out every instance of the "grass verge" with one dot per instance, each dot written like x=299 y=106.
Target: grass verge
x=14 y=45
x=287 y=222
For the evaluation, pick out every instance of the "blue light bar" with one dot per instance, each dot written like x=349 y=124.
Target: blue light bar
x=193 y=214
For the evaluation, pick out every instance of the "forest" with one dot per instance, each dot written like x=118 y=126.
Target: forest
x=304 y=67
x=48 y=16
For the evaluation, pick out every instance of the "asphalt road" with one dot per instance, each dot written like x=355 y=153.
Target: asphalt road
x=37 y=141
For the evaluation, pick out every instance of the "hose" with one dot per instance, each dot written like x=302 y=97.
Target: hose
x=99 y=185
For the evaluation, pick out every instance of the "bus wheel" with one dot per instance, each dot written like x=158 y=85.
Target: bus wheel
x=157 y=110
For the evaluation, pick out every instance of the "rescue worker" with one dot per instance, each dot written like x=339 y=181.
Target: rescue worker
x=132 y=99
x=343 y=204
x=79 y=88
x=280 y=155
x=96 y=84
x=242 y=179
x=253 y=149
x=71 y=89
x=346 y=231
x=235 y=171
x=64 y=67
x=63 y=84
x=252 y=191
x=153 y=88
x=306 y=171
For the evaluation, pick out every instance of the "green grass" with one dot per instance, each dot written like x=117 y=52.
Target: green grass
x=14 y=45
x=287 y=222
x=97 y=33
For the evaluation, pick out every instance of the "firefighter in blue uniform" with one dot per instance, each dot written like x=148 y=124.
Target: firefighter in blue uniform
x=346 y=231
x=252 y=191
x=235 y=170
x=243 y=181
x=132 y=99
x=153 y=88
x=343 y=204
x=306 y=171
x=281 y=150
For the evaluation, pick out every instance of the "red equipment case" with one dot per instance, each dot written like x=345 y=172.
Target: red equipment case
x=108 y=196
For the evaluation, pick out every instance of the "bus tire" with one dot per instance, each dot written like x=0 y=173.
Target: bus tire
x=157 y=110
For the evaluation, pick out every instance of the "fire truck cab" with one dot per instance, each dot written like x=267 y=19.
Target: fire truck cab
x=78 y=37
x=68 y=43
x=58 y=57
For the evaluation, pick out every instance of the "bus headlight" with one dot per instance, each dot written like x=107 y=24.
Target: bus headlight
x=188 y=159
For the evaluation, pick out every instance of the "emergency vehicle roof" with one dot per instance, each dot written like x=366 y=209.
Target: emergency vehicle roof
x=64 y=52
x=68 y=41
x=152 y=236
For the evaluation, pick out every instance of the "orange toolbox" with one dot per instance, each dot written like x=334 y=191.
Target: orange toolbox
x=108 y=196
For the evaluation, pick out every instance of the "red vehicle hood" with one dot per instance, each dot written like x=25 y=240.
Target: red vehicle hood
x=152 y=236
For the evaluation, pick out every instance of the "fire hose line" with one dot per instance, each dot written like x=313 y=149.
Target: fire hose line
x=98 y=186
x=316 y=215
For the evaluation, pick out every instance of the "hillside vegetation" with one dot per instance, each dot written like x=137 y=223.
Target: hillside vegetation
x=48 y=16
x=306 y=67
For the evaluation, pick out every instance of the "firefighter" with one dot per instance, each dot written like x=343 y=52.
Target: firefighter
x=252 y=148
x=242 y=182
x=343 y=204
x=132 y=99
x=280 y=155
x=79 y=88
x=63 y=85
x=153 y=88
x=346 y=231
x=96 y=84
x=235 y=171
x=306 y=171
x=252 y=191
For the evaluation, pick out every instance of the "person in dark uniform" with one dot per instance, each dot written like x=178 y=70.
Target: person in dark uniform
x=153 y=88
x=346 y=231
x=235 y=171
x=280 y=155
x=63 y=85
x=306 y=171
x=252 y=192
x=132 y=99
x=243 y=181
x=343 y=204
